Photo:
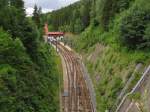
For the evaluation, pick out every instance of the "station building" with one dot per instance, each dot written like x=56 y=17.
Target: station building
x=52 y=36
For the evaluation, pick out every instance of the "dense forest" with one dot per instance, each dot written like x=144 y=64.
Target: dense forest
x=134 y=25
x=28 y=72
x=113 y=36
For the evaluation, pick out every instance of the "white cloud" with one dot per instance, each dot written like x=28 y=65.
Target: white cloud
x=45 y=10
x=47 y=5
x=66 y=2
x=29 y=11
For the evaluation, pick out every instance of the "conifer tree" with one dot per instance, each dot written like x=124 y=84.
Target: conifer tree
x=36 y=15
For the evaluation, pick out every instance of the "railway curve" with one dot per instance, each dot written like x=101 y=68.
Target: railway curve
x=76 y=95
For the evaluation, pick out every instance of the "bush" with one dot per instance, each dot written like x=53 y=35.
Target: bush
x=147 y=35
x=26 y=86
x=135 y=96
x=134 y=29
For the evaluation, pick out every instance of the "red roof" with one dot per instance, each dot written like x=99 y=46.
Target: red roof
x=52 y=33
x=55 y=33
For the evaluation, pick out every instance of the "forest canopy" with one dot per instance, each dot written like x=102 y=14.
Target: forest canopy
x=28 y=70
x=78 y=17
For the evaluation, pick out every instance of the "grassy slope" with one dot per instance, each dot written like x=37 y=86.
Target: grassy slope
x=109 y=70
x=60 y=71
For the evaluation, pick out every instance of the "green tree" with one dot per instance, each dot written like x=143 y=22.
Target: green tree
x=85 y=12
x=36 y=15
x=133 y=28
x=78 y=27
x=17 y=3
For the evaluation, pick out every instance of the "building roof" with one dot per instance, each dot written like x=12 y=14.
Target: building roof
x=55 y=33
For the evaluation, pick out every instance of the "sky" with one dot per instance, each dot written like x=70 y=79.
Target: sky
x=47 y=5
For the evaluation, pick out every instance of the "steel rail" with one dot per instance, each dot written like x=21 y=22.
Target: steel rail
x=79 y=99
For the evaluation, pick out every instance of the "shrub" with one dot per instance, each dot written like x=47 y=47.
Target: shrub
x=135 y=96
x=134 y=29
x=147 y=35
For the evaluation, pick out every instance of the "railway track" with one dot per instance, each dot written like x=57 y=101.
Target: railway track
x=75 y=96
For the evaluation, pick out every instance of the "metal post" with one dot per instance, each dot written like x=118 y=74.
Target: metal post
x=56 y=44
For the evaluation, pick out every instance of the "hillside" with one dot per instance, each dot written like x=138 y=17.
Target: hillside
x=113 y=38
x=29 y=72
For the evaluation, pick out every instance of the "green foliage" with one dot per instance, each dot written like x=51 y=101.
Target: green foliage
x=74 y=18
x=112 y=62
x=28 y=69
x=36 y=15
x=25 y=86
x=147 y=35
x=108 y=24
x=134 y=28
x=108 y=9
x=85 y=12
x=63 y=17
x=19 y=4
x=78 y=26
x=97 y=12
x=17 y=25
x=135 y=96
